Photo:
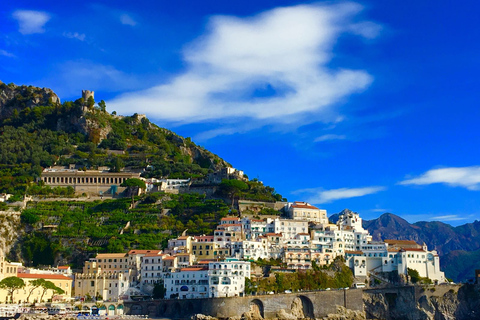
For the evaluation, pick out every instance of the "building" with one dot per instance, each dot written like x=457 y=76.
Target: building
x=305 y=211
x=8 y=269
x=89 y=181
x=390 y=256
x=287 y=227
x=32 y=294
x=215 y=279
x=167 y=185
x=105 y=286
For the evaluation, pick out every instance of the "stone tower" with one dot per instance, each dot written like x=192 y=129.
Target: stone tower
x=87 y=94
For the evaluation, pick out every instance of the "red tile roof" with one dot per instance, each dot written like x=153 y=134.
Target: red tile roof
x=42 y=276
x=192 y=269
x=353 y=252
x=142 y=251
x=303 y=205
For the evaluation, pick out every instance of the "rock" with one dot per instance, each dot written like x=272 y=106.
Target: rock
x=346 y=314
x=200 y=316
x=283 y=315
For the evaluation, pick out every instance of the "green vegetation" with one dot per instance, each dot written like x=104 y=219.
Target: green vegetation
x=29 y=144
x=249 y=190
x=11 y=284
x=133 y=185
x=415 y=277
x=305 y=279
x=69 y=228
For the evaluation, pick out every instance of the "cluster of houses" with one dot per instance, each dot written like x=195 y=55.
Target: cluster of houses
x=217 y=265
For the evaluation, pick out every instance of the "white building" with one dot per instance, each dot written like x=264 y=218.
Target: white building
x=288 y=228
x=389 y=256
x=217 y=279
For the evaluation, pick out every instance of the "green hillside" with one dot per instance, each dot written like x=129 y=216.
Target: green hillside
x=35 y=136
x=37 y=131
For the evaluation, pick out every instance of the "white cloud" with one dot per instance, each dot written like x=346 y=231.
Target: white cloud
x=450 y=217
x=30 y=21
x=466 y=177
x=270 y=68
x=126 y=19
x=328 y=137
x=325 y=196
x=6 y=54
x=75 y=35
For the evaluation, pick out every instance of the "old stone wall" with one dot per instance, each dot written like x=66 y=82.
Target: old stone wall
x=299 y=305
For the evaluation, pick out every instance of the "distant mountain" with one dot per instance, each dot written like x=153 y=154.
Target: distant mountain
x=458 y=247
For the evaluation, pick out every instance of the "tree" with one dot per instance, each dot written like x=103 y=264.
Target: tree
x=11 y=284
x=90 y=102
x=232 y=188
x=34 y=284
x=102 y=105
x=159 y=291
x=133 y=184
x=49 y=285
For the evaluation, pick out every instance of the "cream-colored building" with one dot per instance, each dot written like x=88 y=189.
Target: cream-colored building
x=21 y=295
x=89 y=181
x=8 y=269
x=305 y=211
x=107 y=285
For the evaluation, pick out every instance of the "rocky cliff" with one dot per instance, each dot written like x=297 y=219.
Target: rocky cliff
x=424 y=303
x=13 y=97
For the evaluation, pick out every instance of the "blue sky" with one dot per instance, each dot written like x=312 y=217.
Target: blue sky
x=369 y=105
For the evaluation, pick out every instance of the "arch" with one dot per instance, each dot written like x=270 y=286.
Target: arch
x=111 y=310
x=162 y=308
x=256 y=308
x=120 y=309
x=176 y=309
x=136 y=310
x=151 y=310
x=302 y=307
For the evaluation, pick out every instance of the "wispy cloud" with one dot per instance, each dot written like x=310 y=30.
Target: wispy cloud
x=30 y=21
x=466 y=177
x=450 y=217
x=127 y=20
x=6 y=54
x=328 y=137
x=318 y=195
x=75 y=35
x=270 y=68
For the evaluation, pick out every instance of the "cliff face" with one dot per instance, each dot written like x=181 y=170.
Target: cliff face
x=9 y=230
x=13 y=97
x=430 y=303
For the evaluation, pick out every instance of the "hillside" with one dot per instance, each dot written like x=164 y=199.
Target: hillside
x=458 y=247
x=37 y=131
